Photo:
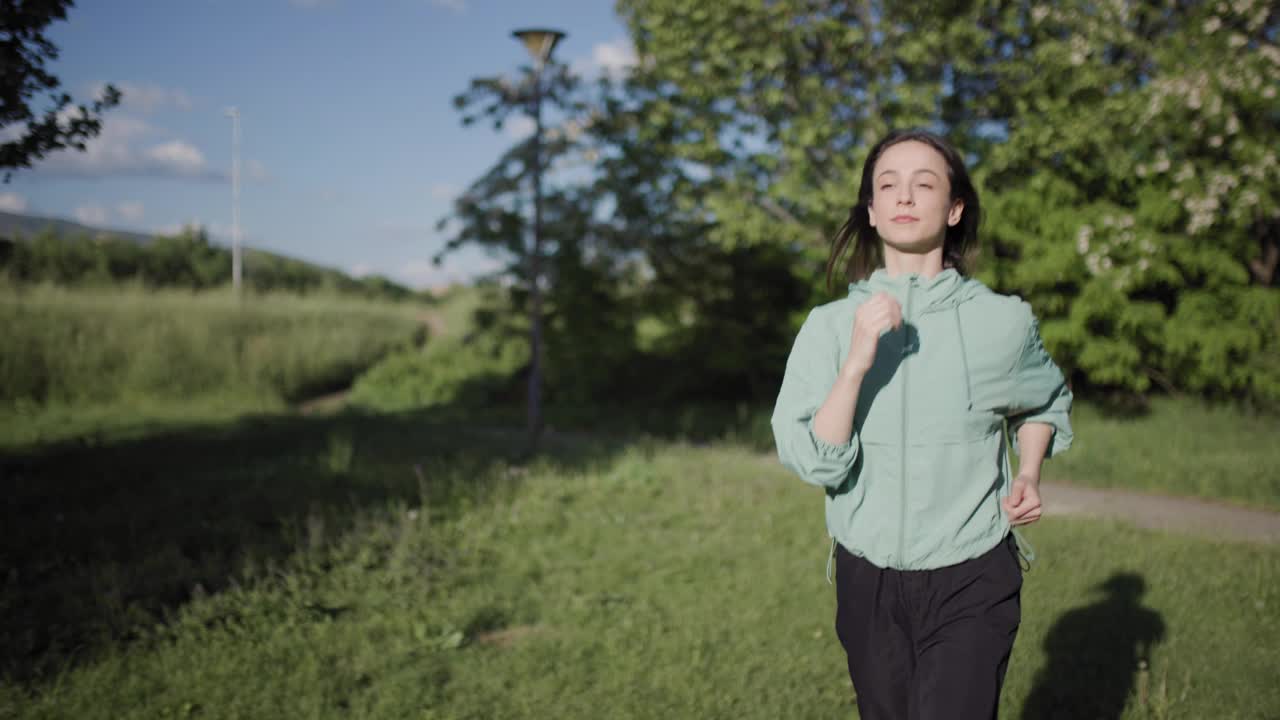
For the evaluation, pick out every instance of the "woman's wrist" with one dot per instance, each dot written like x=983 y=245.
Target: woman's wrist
x=853 y=374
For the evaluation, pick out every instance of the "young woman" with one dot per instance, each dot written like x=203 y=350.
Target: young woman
x=896 y=401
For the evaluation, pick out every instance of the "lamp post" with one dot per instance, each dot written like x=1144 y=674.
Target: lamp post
x=234 y=114
x=540 y=42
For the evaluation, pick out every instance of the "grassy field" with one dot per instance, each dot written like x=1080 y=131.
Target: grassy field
x=73 y=354
x=1180 y=447
x=289 y=567
x=212 y=554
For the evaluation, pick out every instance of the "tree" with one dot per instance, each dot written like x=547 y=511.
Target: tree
x=24 y=50
x=1136 y=193
x=1126 y=153
x=492 y=215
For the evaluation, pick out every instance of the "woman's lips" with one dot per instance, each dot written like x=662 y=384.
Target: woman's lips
x=904 y=219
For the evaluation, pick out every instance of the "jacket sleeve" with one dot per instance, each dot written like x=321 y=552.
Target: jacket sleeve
x=1040 y=393
x=811 y=371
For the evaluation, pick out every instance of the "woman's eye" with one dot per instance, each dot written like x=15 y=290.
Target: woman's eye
x=886 y=187
x=926 y=186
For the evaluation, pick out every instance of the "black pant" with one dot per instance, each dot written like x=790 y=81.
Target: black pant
x=929 y=644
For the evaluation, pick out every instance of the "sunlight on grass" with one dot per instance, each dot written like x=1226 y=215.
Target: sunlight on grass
x=654 y=580
x=1182 y=447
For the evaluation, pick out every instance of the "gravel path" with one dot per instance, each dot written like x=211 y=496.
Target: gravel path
x=1199 y=517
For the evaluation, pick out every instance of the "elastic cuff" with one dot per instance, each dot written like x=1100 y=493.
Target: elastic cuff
x=1059 y=442
x=826 y=449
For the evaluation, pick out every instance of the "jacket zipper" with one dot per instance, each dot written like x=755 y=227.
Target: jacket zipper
x=902 y=478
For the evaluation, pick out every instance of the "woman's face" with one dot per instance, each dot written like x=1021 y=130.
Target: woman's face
x=911 y=206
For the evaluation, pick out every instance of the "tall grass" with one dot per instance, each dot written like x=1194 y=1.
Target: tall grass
x=108 y=346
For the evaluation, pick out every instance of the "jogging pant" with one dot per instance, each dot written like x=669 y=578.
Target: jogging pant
x=929 y=644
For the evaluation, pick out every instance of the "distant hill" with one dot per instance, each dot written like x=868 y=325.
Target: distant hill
x=181 y=261
x=25 y=227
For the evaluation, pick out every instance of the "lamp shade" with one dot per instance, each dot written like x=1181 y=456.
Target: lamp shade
x=539 y=41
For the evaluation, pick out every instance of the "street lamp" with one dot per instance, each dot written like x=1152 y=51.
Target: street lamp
x=540 y=43
x=234 y=114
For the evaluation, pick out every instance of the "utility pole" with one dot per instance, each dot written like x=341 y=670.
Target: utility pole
x=234 y=114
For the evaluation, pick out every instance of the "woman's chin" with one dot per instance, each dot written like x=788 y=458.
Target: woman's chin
x=912 y=246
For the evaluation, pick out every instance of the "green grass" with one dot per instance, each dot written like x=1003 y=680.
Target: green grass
x=300 y=568
x=1180 y=447
x=120 y=349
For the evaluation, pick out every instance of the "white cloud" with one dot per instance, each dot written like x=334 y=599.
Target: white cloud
x=179 y=156
x=360 y=269
x=443 y=191
x=12 y=202
x=614 y=58
x=148 y=99
x=117 y=151
x=130 y=211
x=457 y=6
x=519 y=127
x=91 y=215
x=611 y=59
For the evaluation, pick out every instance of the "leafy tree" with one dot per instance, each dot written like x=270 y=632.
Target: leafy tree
x=1126 y=151
x=24 y=50
x=1136 y=193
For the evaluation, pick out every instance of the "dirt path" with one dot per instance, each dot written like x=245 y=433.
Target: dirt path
x=1197 y=517
x=1194 y=516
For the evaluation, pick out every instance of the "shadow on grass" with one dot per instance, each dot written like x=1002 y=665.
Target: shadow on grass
x=102 y=541
x=1095 y=654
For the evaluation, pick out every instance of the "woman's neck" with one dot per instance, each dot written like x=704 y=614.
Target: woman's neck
x=926 y=265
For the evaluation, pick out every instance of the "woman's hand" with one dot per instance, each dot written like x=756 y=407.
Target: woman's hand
x=1023 y=503
x=874 y=318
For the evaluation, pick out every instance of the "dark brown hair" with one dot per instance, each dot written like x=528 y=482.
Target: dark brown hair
x=961 y=243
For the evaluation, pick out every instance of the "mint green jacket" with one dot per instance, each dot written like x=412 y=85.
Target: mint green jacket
x=918 y=484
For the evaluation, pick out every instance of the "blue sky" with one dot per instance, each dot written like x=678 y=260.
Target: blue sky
x=350 y=149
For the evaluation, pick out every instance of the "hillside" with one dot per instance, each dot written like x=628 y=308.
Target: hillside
x=51 y=249
x=26 y=227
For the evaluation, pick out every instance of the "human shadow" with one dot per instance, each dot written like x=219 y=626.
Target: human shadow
x=1095 y=653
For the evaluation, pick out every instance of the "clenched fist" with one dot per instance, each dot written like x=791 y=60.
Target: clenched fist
x=873 y=318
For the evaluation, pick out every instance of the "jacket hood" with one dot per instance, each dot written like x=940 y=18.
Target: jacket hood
x=943 y=291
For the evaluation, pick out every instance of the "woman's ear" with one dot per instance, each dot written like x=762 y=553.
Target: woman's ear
x=956 y=212
x=871 y=215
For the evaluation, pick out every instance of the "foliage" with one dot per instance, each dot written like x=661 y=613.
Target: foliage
x=625 y=247
x=1126 y=153
x=184 y=260
x=23 y=54
x=1137 y=194
x=472 y=373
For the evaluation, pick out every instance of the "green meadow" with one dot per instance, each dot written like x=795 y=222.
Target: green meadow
x=205 y=550
x=75 y=360
x=413 y=565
